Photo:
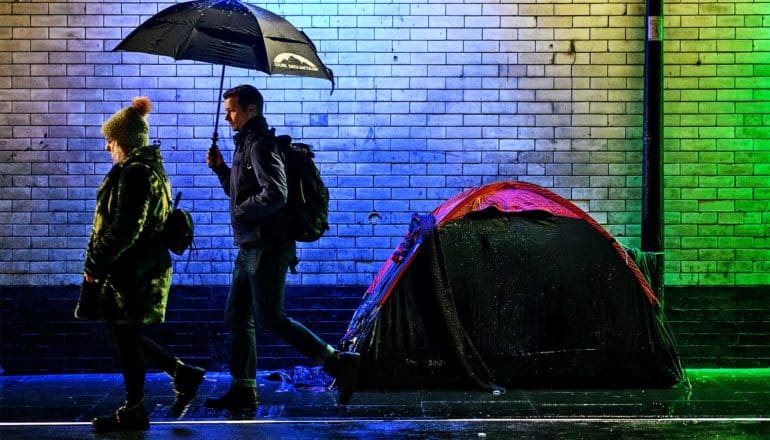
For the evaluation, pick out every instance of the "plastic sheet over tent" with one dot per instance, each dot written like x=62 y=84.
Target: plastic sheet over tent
x=509 y=284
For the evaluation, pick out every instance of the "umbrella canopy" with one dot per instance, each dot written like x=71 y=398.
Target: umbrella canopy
x=230 y=33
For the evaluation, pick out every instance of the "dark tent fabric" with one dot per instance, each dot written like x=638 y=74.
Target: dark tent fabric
x=509 y=284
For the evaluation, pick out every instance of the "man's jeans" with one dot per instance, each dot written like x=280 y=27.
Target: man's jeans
x=256 y=296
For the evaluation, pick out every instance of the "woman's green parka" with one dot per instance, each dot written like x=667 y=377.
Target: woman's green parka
x=125 y=253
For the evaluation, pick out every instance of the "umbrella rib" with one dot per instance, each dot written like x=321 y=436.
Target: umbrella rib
x=290 y=40
x=186 y=43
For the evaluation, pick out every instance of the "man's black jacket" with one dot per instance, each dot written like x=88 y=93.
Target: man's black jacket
x=256 y=184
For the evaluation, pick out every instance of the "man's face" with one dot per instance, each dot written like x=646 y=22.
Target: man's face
x=236 y=115
x=116 y=152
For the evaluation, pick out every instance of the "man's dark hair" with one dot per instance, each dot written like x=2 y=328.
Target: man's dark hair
x=247 y=95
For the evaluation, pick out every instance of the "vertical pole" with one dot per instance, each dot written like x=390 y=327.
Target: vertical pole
x=215 y=135
x=652 y=158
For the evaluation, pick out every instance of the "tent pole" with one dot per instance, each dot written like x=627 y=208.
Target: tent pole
x=652 y=156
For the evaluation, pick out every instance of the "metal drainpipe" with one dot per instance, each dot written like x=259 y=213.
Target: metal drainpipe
x=652 y=156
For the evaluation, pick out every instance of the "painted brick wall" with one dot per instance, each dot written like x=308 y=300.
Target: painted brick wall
x=431 y=98
x=39 y=334
x=713 y=327
x=717 y=130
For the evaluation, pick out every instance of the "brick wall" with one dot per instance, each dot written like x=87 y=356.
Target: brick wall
x=717 y=143
x=39 y=334
x=431 y=99
x=720 y=327
x=713 y=327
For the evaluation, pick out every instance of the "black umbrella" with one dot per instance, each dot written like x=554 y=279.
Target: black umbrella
x=231 y=33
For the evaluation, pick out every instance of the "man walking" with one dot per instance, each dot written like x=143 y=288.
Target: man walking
x=258 y=189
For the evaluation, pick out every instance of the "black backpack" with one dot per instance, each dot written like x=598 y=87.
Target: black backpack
x=178 y=231
x=307 y=209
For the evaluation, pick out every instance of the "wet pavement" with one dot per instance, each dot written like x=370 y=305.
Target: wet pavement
x=724 y=403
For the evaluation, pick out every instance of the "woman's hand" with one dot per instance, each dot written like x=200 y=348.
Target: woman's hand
x=88 y=278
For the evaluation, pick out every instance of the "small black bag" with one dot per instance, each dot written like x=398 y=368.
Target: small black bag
x=178 y=231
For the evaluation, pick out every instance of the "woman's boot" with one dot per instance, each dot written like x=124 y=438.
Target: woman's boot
x=129 y=417
x=186 y=381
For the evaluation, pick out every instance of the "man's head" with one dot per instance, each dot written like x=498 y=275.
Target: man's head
x=241 y=104
x=127 y=128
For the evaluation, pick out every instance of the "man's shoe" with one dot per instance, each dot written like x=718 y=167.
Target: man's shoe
x=186 y=381
x=126 y=418
x=234 y=398
x=343 y=367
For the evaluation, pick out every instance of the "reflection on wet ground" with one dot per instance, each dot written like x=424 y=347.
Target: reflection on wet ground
x=725 y=403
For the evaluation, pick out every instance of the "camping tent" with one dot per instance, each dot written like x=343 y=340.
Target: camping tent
x=509 y=284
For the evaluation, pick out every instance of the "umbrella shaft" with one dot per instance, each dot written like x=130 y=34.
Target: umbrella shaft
x=215 y=136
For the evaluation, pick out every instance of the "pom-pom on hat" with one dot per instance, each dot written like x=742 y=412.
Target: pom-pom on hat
x=128 y=126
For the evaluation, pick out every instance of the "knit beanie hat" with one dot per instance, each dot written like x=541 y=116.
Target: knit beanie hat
x=128 y=126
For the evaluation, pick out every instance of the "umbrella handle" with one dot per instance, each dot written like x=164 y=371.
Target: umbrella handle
x=215 y=135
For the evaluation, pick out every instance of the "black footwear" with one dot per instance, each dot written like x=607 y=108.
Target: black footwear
x=343 y=366
x=126 y=418
x=234 y=398
x=186 y=382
